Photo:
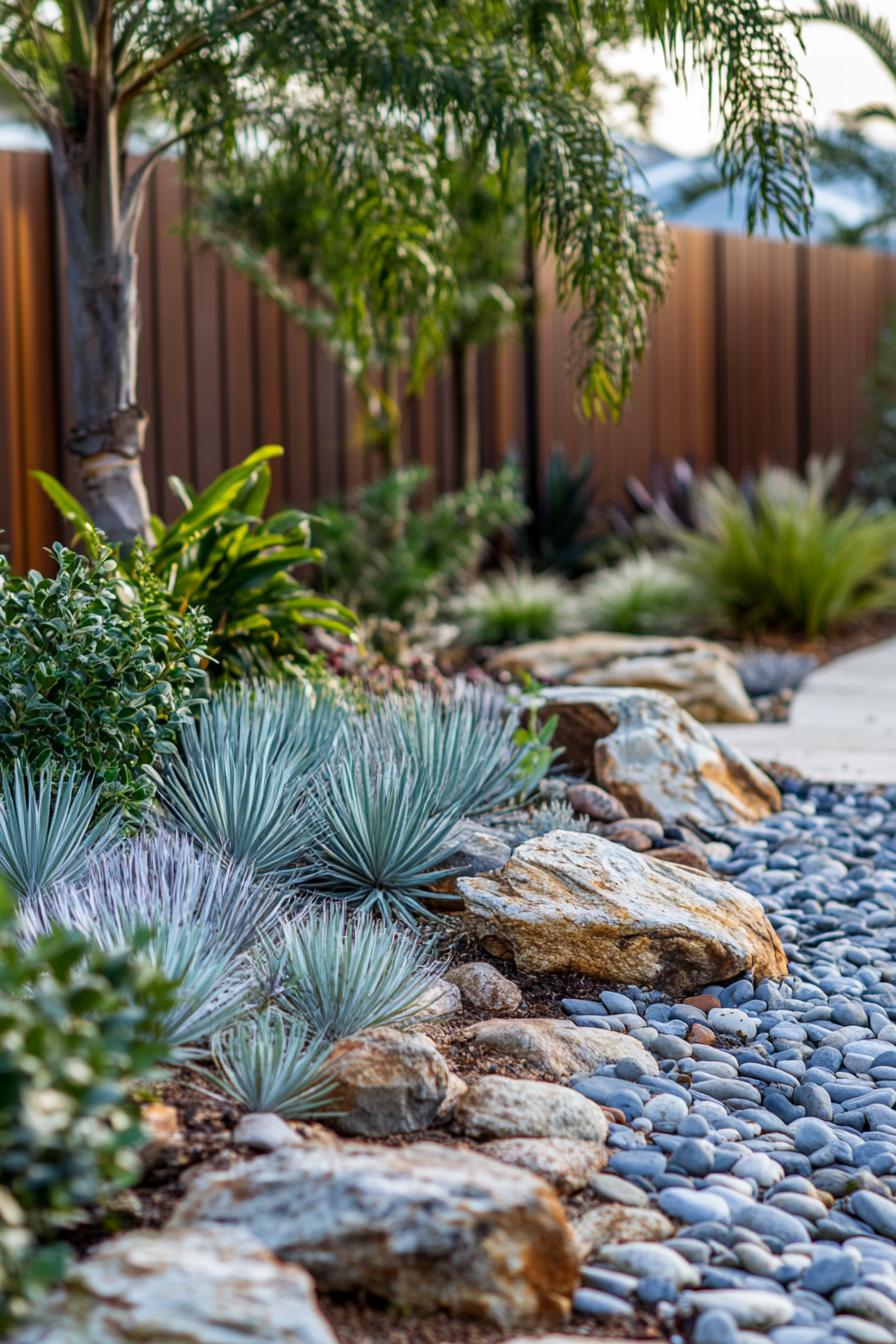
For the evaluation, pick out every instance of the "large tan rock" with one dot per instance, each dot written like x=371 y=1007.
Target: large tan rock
x=426 y=1227
x=568 y=901
x=387 y=1082
x=655 y=758
x=701 y=676
x=494 y=1107
x=208 y=1285
x=568 y=1164
x=556 y=1047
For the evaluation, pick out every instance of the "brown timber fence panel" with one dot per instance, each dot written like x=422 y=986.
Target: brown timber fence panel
x=757 y=355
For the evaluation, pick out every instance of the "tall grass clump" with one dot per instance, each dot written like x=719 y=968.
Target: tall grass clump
x=514 y=606
x=238 y=781
x=786 y=556
x=49 y=828
x=645 y=594
x=470 y=751
x=346 y=973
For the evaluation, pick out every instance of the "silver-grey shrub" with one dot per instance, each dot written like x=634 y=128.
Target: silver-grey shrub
x=465 y=748
x=47 y=829
x=344 y=974
x=379 y=842
x=193 y=917
x=237 y=783
x=270 y=1063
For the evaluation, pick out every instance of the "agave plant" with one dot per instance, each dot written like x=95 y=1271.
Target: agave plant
x=238 y=780
x=379 y=842
x=470 y=752
x=191 y=916
x=47 y=828
x=770 y=671
x=345 y=974
x=270 y=1064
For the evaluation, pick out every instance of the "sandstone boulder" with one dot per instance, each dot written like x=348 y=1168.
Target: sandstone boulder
x=426 y=1227
x=592 y=801
x=208 y=1285
x=387 y=1082
x=483 y=987
x=568 y=1164
x=655 y=758
x=556 y=1047
x=701 y=676
x=567 y=901
x=494 y=1107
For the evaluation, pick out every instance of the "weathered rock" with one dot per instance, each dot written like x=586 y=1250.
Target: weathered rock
x=619 y=1223
x=263 y=1132
x=656 y=759
x=555 y=1047
x=387 y=1082
x=701 y=676
x=441 y=1000
x=476 y=848
x=574 y=902
x=623 y=833
x=426 y=1227
x=164 y=1139
x=593 y=801
x=494 y=1107
x=485 y=988
x=568 y=1164
x=685 y=856
x=192 y=1285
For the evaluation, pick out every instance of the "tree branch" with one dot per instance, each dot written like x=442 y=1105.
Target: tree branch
x=190 y=44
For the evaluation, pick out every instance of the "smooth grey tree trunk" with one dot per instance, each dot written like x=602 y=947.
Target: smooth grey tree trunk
x=103 y=320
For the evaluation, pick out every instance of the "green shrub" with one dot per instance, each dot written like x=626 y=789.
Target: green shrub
x=387 y=558
x=787 y=556
x=513 y=606
x=644 y=595
x=223 y=557
x=96 y=672
x=77 y=1026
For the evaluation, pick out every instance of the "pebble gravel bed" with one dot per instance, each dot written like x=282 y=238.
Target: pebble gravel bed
x=773 y=1149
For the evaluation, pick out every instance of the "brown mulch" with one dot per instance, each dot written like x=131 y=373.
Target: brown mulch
x=858 y=634
x=355 y=1322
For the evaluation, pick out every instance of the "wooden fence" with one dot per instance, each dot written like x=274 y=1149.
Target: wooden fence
x=757 y=355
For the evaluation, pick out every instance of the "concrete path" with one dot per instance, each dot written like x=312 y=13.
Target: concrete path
x=842 y=724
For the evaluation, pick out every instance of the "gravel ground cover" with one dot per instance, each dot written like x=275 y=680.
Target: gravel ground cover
x=769 y=1136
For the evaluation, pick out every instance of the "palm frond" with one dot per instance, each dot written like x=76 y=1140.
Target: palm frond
x=346 y=974
x=47 y=828
x=875 y=32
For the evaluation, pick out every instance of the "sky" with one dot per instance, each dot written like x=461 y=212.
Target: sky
x=841 y=70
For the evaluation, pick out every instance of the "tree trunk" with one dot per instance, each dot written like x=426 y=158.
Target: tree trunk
x=103 y=327
x=465 y=371
x=110 y=428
